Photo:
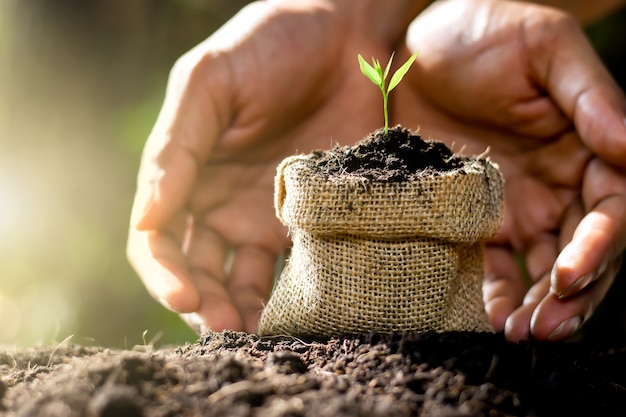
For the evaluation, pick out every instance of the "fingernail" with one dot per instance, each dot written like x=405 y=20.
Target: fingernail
x=194 y=321
x=170 y=307
x=167 y=304
x=566 y=328
x=580 y=283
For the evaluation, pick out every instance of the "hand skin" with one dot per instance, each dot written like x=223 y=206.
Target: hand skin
x=523 y=80
x=282 y=77
x=584 y=11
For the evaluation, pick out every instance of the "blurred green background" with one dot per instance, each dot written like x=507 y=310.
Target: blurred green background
x=81 y=82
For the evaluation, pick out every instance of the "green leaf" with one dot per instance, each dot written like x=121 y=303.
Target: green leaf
x=379 y=70
x=397 y=76
x=388 y=66
x=369 y=71
x=376 y=64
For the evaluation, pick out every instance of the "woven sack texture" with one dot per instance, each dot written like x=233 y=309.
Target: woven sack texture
x=373 y=256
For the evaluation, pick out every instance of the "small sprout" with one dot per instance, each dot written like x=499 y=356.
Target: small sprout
x=376 y=75
x=64 y=341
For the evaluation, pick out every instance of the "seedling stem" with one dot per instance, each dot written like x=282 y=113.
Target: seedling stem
x=376 y=75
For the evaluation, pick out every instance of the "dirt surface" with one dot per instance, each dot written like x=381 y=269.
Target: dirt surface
x=236 y=374
x=399 y=155
x=457 y=374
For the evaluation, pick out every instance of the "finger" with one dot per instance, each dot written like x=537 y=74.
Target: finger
x=207 y=252
x=217 y=310
x=540 y=256
x=563 y=61
x=573 y=216
x=209 y=257
x=163 y=186
x=600 y=235
x=250 y=282
x=571 y=219
x=504 y=286
x=557 y=318
x=157 y=257
x=518 y=324
x=195 y=322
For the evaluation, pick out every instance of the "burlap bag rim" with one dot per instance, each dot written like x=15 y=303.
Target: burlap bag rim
x=462 y=205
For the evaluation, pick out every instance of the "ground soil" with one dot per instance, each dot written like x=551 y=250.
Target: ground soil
x=456 y=374
x=237 y=374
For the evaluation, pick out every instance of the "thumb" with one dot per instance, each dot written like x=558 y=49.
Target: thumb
x=564 y=62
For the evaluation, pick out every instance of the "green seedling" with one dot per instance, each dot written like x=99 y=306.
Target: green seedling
x=376 y=75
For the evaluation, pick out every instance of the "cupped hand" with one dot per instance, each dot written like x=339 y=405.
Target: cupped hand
x=523 y=81
x=280 y=77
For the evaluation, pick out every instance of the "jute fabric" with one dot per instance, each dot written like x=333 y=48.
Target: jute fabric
x=373 y=256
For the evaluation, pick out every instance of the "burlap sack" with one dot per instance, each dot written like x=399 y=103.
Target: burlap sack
x=383 y=257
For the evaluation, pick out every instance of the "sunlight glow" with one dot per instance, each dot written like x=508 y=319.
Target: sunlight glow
x=9 y=209
x=10 y=319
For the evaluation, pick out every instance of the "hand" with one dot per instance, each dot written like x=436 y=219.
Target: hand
x=523 y=80
x=281 y=77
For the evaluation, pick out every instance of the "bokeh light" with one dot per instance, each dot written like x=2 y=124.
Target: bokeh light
x=82 y=82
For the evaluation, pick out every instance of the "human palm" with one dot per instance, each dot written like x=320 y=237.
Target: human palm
x=204 y=237
x=512 y=86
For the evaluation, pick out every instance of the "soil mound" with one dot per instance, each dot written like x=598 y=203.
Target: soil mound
x=236 y=374
x=399 y=155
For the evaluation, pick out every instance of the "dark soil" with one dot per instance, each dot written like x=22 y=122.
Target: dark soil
x=399 y=155
x=457 y=374
x=236 y=374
